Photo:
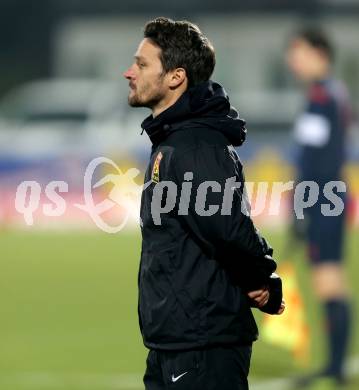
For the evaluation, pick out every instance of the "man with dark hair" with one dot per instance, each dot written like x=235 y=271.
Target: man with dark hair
x=320 y=134
x=203 y=263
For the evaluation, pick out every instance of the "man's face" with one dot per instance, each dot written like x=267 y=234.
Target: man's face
x=146 y=77
x=304 y=60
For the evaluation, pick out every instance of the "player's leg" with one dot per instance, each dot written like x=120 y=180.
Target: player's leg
x=214 y=368
x=331 y=287
x=329 y=281
x=153 y=378
x=227 y=368
x=332 y=290
x=180 y=369
x=326 y=240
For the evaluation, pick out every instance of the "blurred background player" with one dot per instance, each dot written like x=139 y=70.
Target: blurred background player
x=320 y=134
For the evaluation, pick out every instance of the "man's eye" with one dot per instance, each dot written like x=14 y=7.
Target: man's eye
x=141 y=65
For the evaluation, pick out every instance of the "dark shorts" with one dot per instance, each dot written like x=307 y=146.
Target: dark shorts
x=325 y=234
x=224 y=368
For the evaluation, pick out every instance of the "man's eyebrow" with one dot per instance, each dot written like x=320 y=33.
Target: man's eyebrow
x=139 y=58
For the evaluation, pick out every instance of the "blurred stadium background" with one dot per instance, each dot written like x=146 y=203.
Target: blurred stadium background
x=68 y=315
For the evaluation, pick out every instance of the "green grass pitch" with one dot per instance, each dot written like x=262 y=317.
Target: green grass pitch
x=68 y=312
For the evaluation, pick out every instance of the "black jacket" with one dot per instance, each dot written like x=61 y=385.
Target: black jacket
x=195 y=270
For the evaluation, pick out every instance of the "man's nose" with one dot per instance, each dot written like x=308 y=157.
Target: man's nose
x=129 y=74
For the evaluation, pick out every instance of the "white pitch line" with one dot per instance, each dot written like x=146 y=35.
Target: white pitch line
x=51 y=380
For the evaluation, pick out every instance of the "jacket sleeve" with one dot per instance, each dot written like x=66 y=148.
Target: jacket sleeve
x=221 y=224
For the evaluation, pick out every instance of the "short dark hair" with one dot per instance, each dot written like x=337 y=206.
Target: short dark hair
x=182 y=45
x=318 y=39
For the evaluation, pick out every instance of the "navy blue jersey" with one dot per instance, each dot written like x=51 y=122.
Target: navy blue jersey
x=321 y=131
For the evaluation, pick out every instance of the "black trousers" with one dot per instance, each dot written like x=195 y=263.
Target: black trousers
x=215 y=368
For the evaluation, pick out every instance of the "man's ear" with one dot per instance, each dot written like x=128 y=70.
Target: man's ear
x=177 y=77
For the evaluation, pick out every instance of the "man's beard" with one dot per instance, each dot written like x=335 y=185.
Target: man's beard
x=150 y=101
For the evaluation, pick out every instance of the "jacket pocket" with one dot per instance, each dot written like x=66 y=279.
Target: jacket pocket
x=177 y=282
x=155 y=297
x=167 y=311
